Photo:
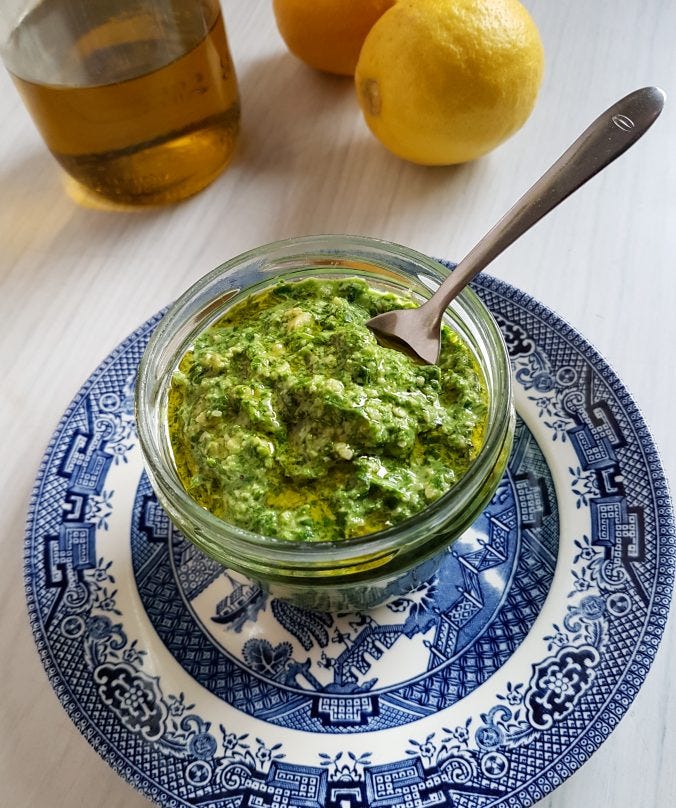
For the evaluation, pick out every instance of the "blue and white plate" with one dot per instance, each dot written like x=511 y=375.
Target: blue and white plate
x=487 y=686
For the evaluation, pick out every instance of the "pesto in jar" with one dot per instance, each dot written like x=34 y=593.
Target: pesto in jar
x=287 y=417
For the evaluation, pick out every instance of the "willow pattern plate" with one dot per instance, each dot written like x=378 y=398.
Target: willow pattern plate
x=487 y=686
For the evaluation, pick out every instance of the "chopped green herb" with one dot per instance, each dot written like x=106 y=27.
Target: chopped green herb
x=287 y=417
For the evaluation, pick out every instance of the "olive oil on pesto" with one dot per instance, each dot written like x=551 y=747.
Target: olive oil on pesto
x=287 y=417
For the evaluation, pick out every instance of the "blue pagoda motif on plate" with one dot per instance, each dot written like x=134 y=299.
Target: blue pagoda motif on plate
x=330 y=672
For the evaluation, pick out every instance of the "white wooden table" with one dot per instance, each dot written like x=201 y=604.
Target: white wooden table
x=75 y=281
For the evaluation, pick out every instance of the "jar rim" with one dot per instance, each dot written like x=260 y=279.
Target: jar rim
x=307 y=553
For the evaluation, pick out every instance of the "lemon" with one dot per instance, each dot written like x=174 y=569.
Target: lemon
x=327 y=34
x=445 y=81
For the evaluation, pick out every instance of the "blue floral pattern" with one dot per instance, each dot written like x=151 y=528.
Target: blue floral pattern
x=134 y=697
x=102 y=658
x=558 y=682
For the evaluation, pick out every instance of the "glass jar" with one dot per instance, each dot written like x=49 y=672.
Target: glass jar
x=351 y=573
x=136 y=99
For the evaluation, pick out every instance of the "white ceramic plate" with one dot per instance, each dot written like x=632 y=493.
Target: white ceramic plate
x=487 y=686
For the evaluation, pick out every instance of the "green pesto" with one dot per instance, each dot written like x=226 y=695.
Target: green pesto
x=287 y=417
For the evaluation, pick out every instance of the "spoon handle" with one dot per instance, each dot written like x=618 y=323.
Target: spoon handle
x=611 y=134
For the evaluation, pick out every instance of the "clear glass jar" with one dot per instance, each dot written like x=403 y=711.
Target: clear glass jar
x=352 y=573
x=136 y=99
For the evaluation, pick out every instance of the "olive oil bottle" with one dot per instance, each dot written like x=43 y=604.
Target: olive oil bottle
x=137 y=100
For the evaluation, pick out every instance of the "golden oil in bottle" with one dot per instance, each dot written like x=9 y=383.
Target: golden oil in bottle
x=138 y=101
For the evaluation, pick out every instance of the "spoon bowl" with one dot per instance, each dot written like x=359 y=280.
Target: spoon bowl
x=420 y=327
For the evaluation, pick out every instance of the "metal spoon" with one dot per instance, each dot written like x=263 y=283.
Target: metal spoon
x=419 y=330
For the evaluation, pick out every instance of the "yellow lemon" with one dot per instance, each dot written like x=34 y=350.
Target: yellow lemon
x=445 y=81
x=327 y=34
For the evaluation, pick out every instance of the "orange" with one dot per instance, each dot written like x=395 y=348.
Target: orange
x=327 y=34
x=445 y=81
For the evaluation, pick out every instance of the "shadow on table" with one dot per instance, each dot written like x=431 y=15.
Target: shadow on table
x=304 y=131
x=37 y=209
